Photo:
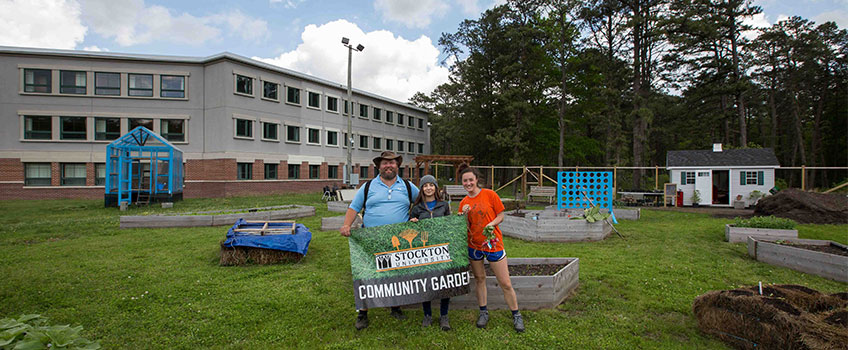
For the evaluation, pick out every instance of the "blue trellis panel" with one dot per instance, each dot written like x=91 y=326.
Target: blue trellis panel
x=574 y=186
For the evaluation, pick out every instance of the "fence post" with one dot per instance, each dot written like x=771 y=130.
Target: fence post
x=614 y=181
x=492 y=178
x=803 y=177
x=524 y=183
x=541 y=177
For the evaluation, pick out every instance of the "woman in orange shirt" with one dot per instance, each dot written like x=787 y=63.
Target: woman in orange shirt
x=485 y=211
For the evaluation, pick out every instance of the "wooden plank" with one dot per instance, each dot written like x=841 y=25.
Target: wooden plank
x=734 y=234
x=822 y=264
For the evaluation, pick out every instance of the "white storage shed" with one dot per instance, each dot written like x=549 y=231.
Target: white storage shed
x=721 y=175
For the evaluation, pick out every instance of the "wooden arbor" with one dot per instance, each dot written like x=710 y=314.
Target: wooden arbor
x=455 y=160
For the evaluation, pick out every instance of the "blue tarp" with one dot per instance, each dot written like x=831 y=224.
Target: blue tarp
x=297 y=242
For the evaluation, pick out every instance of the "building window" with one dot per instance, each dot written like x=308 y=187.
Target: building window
x=37 y=174
x=140 y=85
x=687 y=177
x=107 y=84
x=245 y=171
x=38 y=128
x=421 y=123
x=99 y=174
x=314 y=171
x=378 y=143
x=401 y=172
x=314 y=99
x=363 y=172
x=363 y=141
x=400 y=145
x=390 y=117
x=390 y=144
x=421 y=148
x=72 y=128
x=332 y=138
x=346 y=139
x=363 y=111
x=270 y=131
x=172 y=86
x=270 y=171
x=244 y=85
x=73 y=174
x=410 y=121
x=332 y=171
x=313 y=136
x=292 y=133
x=72 y=82
x=136 y=122
x=244 y=128
x=38 y=80
x=107 y=128
x=346 y=108
x=400 y=119
x=752 y=178
x=332 y=104
x=294 y=171
x=378 y=113
x=270 y=90
x=172 y=129
x=292 y=95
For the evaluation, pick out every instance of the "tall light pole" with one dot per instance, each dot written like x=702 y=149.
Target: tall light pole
x=349 y=105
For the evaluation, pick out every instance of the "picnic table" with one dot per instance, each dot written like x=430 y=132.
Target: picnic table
x=643 y=197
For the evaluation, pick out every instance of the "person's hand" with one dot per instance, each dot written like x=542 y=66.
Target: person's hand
x=465 y=209
x=345 y=230
x=414 y=219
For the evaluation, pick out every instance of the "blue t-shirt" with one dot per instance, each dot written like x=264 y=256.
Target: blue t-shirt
x=385 y=205
x=431 y=204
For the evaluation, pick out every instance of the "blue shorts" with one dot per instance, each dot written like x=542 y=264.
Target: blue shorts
x=478 y=255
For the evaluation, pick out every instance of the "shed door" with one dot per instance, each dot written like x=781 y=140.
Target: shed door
x=704 y=185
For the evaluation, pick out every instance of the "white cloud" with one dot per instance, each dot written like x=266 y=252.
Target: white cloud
x=94 y=48
x=41 y=23
x=289 y=4
x=469 y=7
x=412 y=13
x=132 y=22
x=390 y=66
x=757 y=21
x=838 y=16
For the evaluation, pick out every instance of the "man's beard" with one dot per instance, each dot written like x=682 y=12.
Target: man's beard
x=388 y=176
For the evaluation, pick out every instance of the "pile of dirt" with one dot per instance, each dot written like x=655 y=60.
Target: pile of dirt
x=234 y=256
x=783 y=317
x=805 y=207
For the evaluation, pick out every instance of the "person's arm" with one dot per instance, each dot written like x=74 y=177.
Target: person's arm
x=498 y=219
x=352 y=210
x=413 y=215
x=350 y=217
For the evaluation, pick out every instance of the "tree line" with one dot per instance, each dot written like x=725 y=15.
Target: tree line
x=620 y=82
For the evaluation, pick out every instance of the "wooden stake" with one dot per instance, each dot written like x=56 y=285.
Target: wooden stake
x=803 y=178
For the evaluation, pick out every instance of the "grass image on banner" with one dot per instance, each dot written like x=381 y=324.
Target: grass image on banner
x=365 y=242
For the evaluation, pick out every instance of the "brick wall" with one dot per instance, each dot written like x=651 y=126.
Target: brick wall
x=259 y=169
x=211 y=169
x=252 y=188
x=11 y=169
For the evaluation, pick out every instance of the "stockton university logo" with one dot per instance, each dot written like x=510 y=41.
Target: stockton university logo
x=412 y=256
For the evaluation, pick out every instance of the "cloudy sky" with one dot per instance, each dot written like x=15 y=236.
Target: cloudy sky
x=400 y=36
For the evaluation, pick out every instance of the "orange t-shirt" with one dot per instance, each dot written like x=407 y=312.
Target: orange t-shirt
x=484 y=208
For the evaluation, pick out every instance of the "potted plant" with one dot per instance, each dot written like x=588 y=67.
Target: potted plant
x=696 y=198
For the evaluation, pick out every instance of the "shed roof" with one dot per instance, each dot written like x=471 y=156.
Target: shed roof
x=741 y=157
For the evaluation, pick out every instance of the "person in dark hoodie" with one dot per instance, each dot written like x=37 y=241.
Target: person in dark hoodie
x=428 y=205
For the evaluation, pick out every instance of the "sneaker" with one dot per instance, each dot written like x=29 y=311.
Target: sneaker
x=398 y=314
x=483 y=319
x=427 y=321
x=444 y=322
x=518 y=323
x=361 y=322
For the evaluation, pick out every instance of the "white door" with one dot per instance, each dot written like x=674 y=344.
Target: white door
x=704 y=186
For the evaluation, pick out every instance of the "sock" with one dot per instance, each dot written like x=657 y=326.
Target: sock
x=484 y=308
x=363 y=313
x=428 y=311
x=516 y=313
x=443 y=309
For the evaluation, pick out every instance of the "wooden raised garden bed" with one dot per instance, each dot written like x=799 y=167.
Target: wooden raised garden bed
x=552 y=226
x=620 y=213
x=218 y=217
x=545 y=290
x=735 y=234
x=819 y=257
x=338 y=206
x=334 y=223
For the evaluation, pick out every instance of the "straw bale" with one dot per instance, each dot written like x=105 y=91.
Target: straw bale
x=249 y=255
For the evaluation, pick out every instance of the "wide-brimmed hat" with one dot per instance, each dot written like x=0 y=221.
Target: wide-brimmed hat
x=388 y=155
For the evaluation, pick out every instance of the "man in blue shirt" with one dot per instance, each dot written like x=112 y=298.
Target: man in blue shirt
x=388 y=202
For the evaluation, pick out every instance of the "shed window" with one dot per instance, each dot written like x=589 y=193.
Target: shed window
x=687 y=177
x=751 y=178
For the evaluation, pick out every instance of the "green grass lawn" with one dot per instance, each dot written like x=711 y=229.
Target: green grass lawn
x=163 y=288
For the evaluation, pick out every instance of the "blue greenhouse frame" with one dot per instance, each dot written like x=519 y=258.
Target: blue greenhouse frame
x=141 y=166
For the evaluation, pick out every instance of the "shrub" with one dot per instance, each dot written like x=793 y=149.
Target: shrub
x=30 y=332
x=770 y=221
